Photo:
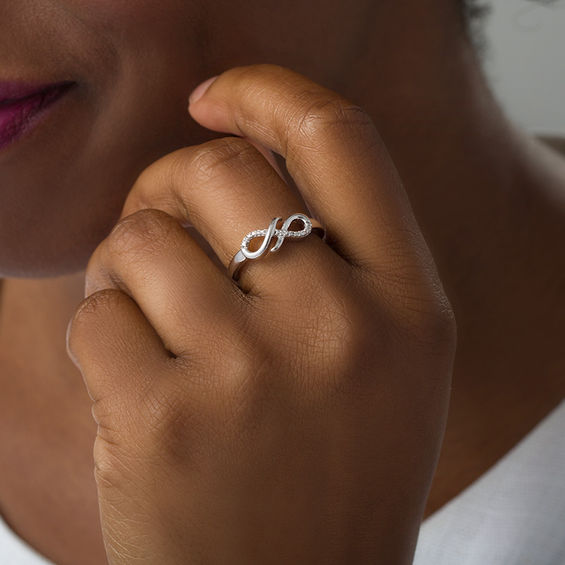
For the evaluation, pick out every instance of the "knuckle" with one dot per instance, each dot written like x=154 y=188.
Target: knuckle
x=149 y=176
x=332 y=115
x=220 y=156
x=101 y=301
x=426 y=320
x=345 y=322
x=413 y=300
x=341 y=344
x=113 y=410
x=104 y=412
x=437 y=328
x=83 y=325
x=147 y=231
x=109 y=465
x=145 y=191
x=228 y=362
x=341 y=329
x=244 y=362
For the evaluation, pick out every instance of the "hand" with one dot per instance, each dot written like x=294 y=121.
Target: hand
x=295 y=417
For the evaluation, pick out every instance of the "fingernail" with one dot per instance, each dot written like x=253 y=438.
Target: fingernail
x=199 y=91
x=70 y=354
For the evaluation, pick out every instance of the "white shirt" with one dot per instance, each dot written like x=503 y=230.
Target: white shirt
x=514 y=514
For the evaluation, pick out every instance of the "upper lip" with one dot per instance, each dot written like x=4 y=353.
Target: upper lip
x=11 y=91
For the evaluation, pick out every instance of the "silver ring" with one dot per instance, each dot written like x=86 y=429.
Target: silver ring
x=244 y=254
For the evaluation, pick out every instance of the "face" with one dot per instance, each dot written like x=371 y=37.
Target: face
x=132 y=66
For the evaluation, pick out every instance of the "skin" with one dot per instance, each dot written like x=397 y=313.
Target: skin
x=488 y=199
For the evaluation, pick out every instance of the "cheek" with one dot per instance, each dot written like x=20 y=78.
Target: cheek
x=60 y=196
x=158 y=56
x=122 y=19
x=120 y=10
x=63 y=199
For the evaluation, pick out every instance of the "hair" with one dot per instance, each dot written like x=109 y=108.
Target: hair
x=473 y=10
x=473 y=14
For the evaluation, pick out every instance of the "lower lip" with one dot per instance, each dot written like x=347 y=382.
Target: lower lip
x=21 y=116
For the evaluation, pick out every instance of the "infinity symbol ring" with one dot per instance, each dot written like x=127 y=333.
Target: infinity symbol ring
x=310 y=225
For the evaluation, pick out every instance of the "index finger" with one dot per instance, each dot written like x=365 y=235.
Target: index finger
x=333 y=153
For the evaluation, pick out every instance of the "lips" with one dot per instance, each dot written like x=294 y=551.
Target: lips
x=22 y=104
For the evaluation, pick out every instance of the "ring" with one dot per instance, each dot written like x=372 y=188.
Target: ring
x=310 y=226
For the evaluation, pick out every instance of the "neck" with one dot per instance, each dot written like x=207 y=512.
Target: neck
x=491 y=203
x=489 y=198
x=34 y=314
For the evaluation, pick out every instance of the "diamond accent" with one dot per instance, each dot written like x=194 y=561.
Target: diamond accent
x=271 y=232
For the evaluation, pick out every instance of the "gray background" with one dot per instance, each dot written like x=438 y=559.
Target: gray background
x=525 y=61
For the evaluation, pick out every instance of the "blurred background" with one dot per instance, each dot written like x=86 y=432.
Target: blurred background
x=524 y=56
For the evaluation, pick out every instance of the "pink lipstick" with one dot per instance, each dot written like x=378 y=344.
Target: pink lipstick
x=23 y=104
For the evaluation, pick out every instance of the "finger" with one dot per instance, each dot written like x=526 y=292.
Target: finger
x=332 y=150
x=268 y=154
x=107 y=337
x=226 y=189
x=182 y=293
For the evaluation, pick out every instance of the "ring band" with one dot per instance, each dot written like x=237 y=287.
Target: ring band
x=244 y=254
